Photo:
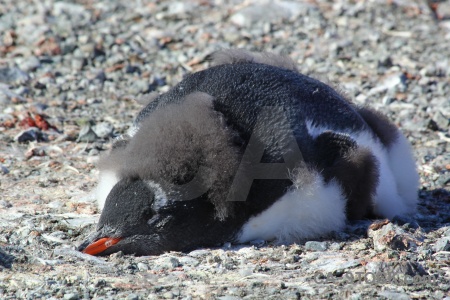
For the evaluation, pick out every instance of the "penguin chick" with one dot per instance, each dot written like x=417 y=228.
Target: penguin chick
x=248 y=149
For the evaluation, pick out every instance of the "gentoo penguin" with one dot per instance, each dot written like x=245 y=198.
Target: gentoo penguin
x=248 y=149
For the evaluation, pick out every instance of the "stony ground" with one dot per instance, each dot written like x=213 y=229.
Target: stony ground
x=69 y=76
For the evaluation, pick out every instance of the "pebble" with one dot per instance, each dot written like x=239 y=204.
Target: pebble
x=271 y=12
x=55 y=204
x=446 y=231
x=142 y=267
x=4 y=170
x=199 y=253
x=78 y=63
x=228 y=297
x=444 y=180
x=168 y=295
x=244 y=272
x=103 y=130
x=316 y=246
x=129 y=69
x=7 y=96
x=5 y=204
x=140 y=87
x=71 y=296
x=442 y=244
x=391 y=236
x=395 y=268
x=391 y=295
x=87 y=135
x=188 y=261
x=72 y=10
x=166 y=262
x=31 y=64
x=132 y=297
x=13 y=76
x=31 y=135
x=389 y=83
x=442 y=122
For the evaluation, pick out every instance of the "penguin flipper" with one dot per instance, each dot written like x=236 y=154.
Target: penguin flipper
x=331 y=145
x=399 y=156
x=353 y=166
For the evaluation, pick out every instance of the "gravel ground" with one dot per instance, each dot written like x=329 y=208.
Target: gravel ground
x=70 y=73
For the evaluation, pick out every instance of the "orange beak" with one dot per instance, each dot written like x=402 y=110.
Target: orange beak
x=100 y=245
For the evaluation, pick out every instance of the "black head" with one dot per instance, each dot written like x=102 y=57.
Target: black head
x=139 y=219
x=173 y=173
x=129 y=206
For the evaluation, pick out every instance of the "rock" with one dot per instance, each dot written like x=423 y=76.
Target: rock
x=246 y=271
x=338 y=246
x=13 y=76
x=78 y=63
x=55 y=204
x=32 y=134
x=189 y=261
x=132 y=297
x=4 y=170
x=397 y=270
x=316 y=246
x=71 y=296
x=168 y=295
x=177 y=10
x=87 y=135
x=5 y=204
x=101 y=77
x=228 y=297
x=6 y=119
x=30 y=64
x=391 y=236
x=269 y=11
x=6 y=259
x=159 y=81
x=166 y=262
x=7 y=96
x=130 y=69
x=140 y=87
x=441 y=121
x=443 y=256
x=328 y=262
x=443 y=244
x=142 y=267
x=392 y=295
x=199 y=253
x=432 y=125
x=103 y=130
x=389 y=83
x=75 y=12
x=447 y=232
x=444 y=180
x=385 y=62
